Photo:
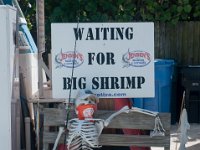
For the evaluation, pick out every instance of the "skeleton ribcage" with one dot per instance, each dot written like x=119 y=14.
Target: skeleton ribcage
x=83 y=134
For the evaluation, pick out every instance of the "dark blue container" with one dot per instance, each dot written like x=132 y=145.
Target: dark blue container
x=164 y=70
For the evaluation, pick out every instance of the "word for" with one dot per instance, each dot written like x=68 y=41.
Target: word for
x=101 y=58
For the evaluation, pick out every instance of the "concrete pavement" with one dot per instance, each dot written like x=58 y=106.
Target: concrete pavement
x=193 y=138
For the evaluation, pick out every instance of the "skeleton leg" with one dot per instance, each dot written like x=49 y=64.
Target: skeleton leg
x=61 y=130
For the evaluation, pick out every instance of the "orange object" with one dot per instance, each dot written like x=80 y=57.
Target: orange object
x=85 y=111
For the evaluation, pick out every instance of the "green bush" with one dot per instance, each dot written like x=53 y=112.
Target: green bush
x=170 y=11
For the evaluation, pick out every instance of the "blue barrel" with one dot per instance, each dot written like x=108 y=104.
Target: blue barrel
x=164 y=70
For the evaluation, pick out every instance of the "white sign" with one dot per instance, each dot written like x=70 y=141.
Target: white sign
x=113 y=60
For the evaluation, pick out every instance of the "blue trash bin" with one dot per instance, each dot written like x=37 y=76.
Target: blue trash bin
x=164 y=69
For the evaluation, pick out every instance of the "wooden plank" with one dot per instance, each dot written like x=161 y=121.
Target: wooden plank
x=189 y=46
x=133 y=140
x=28 y=133
x=172 y=39
x=167 y=41
x=178 y=43
x=162 y=41
x=55 y=117
x=45 y=144
x=133 y=120
x=18 y=136
x=185 y=42
x=47 y=100
x=18 y=124
x=196 y=44
x=156 y=39
x=50 y=137
x=13 y=123
x=119 y=140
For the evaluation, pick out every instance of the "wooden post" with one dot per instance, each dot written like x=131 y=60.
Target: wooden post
x=28 y=135
x=18 y=141
x=38 y=126
x=18 y=125
x=40 y=42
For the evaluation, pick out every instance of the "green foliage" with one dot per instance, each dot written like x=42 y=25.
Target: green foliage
x=123 y=10
x=29 y=10
x=170 y=11
x=114 y=10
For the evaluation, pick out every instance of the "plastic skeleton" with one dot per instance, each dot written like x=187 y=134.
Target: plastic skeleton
x=84 y=134
x=84 y=131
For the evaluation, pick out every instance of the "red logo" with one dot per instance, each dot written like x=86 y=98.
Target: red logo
x=69 y=59
x=136 y=58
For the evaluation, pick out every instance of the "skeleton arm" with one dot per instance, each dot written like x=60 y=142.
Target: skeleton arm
x=100 y=124
x=144 y=111
x=124 y=109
